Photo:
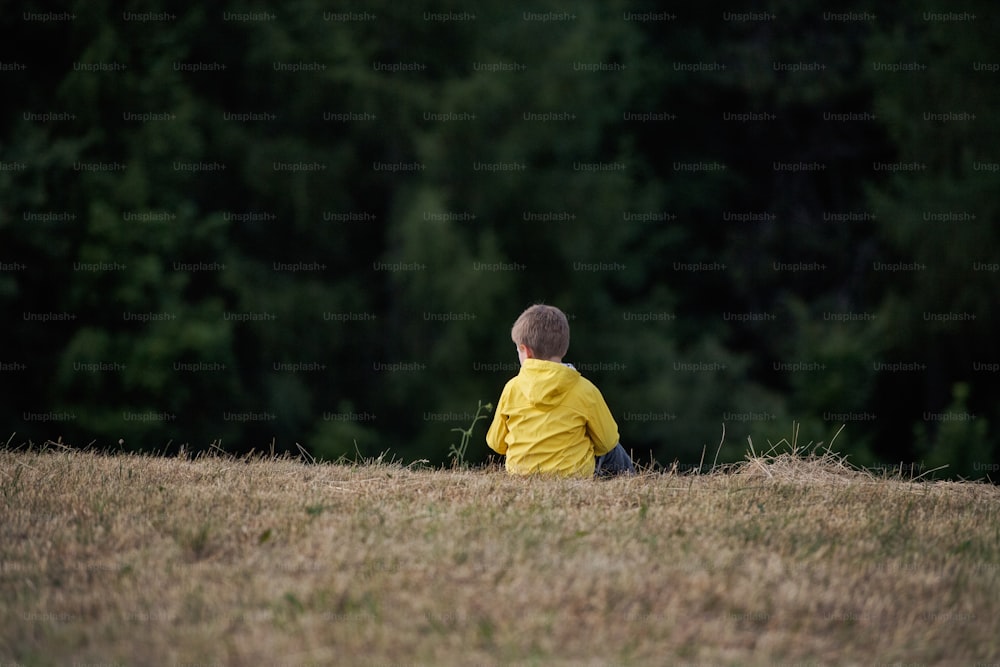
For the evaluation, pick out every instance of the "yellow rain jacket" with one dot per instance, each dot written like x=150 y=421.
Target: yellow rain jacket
x=550 y=419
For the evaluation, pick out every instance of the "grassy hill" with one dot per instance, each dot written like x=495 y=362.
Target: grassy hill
x=142 y=560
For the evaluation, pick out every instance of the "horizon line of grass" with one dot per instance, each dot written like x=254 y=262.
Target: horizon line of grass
x=819 y=454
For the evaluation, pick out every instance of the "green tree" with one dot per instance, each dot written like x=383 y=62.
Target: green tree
x=937 y=220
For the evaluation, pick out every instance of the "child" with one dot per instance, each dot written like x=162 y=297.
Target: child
x=549 y=418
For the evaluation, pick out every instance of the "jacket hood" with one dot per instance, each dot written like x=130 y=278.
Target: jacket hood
x=546 y=383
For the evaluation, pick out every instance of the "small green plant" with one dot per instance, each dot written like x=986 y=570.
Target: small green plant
x=458 y=453
x=196 y=542
x=13 y=487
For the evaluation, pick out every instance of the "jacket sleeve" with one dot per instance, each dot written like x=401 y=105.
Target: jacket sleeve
x=496 y=437
x=601 y=426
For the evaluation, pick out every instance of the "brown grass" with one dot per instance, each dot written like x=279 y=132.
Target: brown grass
x=786 y=558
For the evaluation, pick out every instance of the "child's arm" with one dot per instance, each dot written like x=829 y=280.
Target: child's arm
x=496 y=437
x=601 y=426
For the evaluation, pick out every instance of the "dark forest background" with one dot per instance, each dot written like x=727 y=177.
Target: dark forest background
x=314 y=223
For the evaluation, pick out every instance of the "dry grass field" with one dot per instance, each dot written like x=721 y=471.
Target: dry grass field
x=784 y=559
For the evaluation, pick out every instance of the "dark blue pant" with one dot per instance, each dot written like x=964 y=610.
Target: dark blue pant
x=615 y=462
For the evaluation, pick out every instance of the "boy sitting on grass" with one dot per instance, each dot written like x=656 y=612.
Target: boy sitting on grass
x=549 y=418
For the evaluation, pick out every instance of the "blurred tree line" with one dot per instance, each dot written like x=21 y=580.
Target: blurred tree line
x=303 y=224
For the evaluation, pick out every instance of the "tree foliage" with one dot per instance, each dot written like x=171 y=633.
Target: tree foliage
x=315 y=226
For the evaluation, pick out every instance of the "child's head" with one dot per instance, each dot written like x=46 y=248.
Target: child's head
x=541 y=332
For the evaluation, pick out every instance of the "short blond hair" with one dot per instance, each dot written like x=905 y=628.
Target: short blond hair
x=545 y=329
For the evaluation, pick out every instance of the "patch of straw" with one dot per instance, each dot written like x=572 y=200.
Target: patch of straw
x=789 y=461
